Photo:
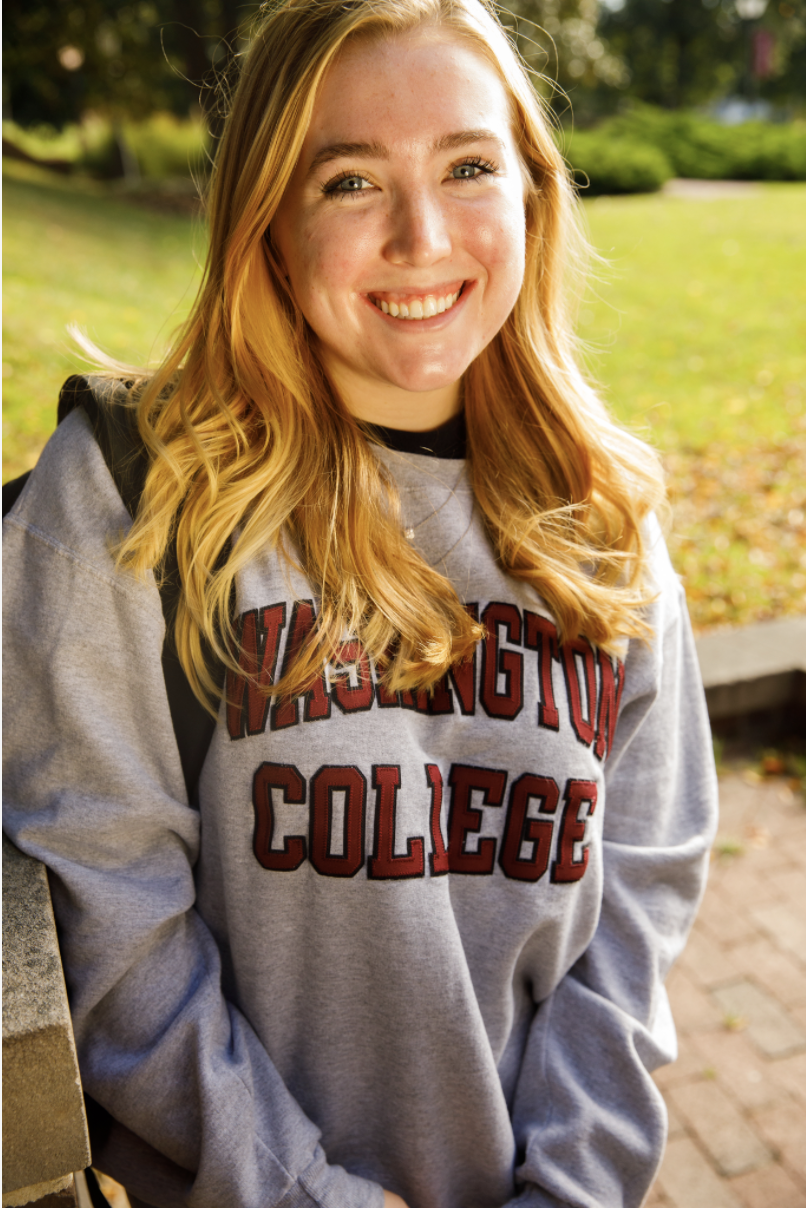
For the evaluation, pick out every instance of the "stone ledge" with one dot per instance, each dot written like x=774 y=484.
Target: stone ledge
x=756 y=674
x=44 y=1127
x=56 y=1193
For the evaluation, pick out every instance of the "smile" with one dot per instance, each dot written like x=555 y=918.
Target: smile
x=413 y=306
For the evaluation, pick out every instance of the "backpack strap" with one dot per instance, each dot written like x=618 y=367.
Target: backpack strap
x=114 y=424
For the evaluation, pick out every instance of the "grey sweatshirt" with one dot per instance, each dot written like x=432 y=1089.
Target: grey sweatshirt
x=405 y=943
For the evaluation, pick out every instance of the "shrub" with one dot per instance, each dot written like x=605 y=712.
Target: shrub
x=700 y=148
x=605 y=164
x=164 y=145
x=160 y=146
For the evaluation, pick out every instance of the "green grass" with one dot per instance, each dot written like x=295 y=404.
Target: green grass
x=696 y=328
x=699 y=328
x=75 y=254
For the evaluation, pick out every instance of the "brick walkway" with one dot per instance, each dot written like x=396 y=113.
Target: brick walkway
x=737 y=1093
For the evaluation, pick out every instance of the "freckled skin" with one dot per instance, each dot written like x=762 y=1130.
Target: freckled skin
x=410 y=225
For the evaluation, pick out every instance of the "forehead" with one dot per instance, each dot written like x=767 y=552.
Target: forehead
x=408 y=89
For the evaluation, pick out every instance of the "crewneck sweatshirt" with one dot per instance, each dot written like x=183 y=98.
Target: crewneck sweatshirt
x=404 y=941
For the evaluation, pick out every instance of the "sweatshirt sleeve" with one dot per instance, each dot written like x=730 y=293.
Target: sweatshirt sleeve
x=93 y=787
x=589 y=1122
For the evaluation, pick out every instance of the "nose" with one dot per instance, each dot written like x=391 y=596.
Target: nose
x=420 y=233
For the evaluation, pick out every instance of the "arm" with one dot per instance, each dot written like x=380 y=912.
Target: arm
x=94 y=788
x=588 y=1119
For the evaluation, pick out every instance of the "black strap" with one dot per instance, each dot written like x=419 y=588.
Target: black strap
x=12 y=491
x=114 y=423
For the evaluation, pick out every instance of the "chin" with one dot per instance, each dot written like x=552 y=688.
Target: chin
x=420 y=379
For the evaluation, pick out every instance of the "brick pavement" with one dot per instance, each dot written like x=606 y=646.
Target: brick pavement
x=737 y=1093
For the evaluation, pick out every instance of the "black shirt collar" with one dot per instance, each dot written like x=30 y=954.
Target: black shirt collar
x=449 y=440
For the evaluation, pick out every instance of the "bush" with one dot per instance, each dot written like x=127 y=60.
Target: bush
x=165 y=146
x=605 y=164
x=160 y=146
x=700 y=148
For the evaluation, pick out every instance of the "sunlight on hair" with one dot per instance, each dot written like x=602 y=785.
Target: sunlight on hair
x=251 y=448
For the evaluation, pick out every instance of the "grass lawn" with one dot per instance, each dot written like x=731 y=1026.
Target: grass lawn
x=696 y=329
x=74 y=254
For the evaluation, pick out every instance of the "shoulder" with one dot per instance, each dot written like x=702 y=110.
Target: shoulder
x=665 y=583
x=70 y=508
x=667 y=649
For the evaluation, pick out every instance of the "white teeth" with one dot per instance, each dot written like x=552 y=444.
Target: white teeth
x=419 y=308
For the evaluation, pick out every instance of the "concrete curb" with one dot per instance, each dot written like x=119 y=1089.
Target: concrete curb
x=44 y=1128
x=755 y=677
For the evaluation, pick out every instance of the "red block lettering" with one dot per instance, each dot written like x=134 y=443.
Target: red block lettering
x=572 y=831
x=287 y=778
x=326 y=782
x=439 y=858
x=247 y=696
x=541 y=635
x=610 y=690
x=521 y=829
x=465 y=819
x=285 y=712
x=582 y=725
x=383 y=864
x=509 y=664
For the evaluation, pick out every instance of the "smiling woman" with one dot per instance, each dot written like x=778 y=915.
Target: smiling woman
x=422 y=220
x=402 y=939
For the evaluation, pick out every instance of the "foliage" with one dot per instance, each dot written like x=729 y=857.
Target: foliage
x=61 y=60
x=689 y=51
x=739 y=531
x=616 y=165
x=164 y=146
x=160 y=146
x=559 y=41
x=701 y=148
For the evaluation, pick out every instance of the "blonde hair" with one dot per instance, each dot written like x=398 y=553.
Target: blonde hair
x=246 y=435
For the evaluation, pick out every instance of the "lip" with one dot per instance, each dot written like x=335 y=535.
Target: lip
x=406 y=295
x=436 y=321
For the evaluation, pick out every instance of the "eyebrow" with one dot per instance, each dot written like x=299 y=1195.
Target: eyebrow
x=448 y=142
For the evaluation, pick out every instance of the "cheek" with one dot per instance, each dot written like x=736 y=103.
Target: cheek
x=325 y=266
x=498 y=241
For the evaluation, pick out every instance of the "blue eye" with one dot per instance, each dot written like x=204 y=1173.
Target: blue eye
x=346 y=185
x=473 y=169
x=350 y=184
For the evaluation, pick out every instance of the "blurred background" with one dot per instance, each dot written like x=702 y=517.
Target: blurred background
x=685 y=124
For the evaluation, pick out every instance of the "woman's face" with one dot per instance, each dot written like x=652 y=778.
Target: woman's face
x=408 y=200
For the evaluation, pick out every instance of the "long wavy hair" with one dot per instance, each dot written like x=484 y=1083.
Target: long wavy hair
x=251 y=447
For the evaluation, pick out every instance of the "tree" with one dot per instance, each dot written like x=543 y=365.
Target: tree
x=65 y=57
x=687 y=52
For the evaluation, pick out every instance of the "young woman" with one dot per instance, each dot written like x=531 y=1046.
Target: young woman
x=452 y=827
